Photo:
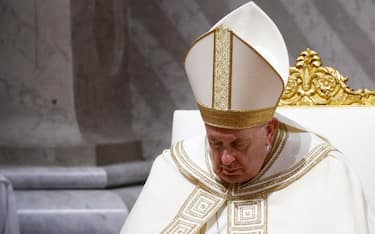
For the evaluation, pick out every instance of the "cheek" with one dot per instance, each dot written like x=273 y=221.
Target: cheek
x=249 y=159
x=245 y=160
x=256 y=158
x=215 y=158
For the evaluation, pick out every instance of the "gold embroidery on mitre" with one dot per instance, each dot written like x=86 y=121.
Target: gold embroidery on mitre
x=312 y=84
x=234 y=119
x=222 y=69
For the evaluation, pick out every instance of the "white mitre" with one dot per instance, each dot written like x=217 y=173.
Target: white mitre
x=238 y=69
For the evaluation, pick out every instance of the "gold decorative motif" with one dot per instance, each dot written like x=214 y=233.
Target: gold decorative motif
x=222 y=71
x=195 y=212
x=247 y=216
x=312 y=84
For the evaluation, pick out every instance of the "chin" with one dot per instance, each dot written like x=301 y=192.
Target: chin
x=236 y=179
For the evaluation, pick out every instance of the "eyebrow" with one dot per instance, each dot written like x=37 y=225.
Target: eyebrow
x=241 y=141
x=237 y=141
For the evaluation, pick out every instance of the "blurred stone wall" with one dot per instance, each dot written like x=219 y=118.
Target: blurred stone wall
x=36 y=74
x=110 y=72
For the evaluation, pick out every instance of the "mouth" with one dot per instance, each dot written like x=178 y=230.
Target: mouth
x=231 y=172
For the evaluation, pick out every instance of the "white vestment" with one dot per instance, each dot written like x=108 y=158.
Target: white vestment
x=305 y=187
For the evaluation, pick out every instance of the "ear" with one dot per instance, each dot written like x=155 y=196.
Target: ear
x=271 y=128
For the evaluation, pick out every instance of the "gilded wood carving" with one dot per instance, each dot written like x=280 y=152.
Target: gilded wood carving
x=311 y=84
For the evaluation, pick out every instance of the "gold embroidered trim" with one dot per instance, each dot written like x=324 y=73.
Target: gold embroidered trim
x=236 y=119
x=222 y=73
x=194 y=173
x=220 y=187
x=247 y=216
x=194 y=213
x=284 y=179
x=207 y=156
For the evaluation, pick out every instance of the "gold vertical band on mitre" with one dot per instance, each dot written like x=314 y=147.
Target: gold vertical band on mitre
x=222 y=70
x=236 y=119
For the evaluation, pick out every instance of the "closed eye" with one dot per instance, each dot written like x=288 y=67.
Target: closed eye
x=240 y=145
x=215 y=144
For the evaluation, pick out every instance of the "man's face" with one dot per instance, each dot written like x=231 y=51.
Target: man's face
x=238 y=155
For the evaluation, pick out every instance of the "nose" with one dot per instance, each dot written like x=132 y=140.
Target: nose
x=227 y=157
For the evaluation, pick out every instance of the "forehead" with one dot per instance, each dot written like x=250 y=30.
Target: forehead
x=218 y=133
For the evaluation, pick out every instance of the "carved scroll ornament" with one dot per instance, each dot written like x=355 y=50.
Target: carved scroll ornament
x=311 y=84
